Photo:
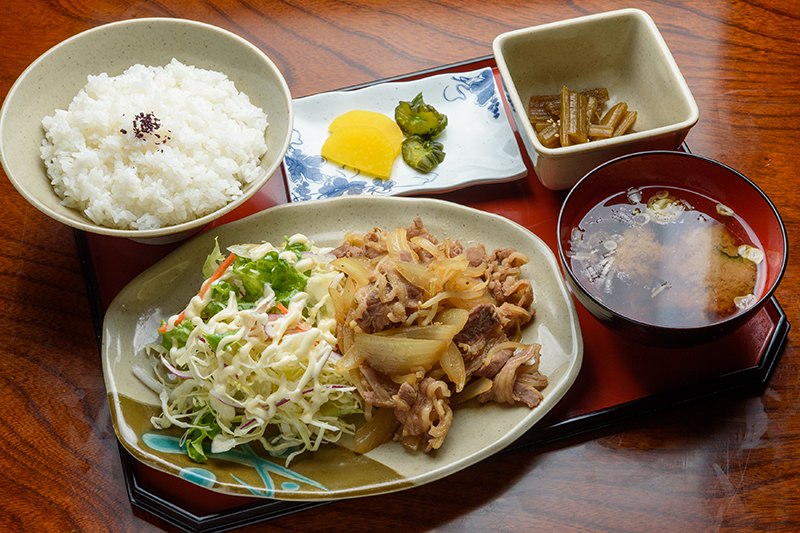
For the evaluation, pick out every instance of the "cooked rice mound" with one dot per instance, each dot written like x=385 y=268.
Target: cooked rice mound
x=154 y=147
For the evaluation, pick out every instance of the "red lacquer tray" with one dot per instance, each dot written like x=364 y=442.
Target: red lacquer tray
x=618 y=379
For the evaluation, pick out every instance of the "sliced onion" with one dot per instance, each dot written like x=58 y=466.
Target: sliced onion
x=426 y=245
x=343 y=299
x=437 y=332
x=453 y=317
x=452 y=362
x=417 y=274
x=184 y=374
x=507 y=345
x=379 y=430
x=269 y=331
x=373 y=380
x=475 y=272
x=404 y=378
x=458 y=262
x=461 y=295
x=349 y=361
x=477 y=387
x=397 y=354
x=448 y=270
x=247 y=424
x=397 y=242
x=466 y=284
x=345 y=340
x=224 y=398
x=355 y=267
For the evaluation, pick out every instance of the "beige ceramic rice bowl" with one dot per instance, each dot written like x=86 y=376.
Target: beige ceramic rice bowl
x=54 y=80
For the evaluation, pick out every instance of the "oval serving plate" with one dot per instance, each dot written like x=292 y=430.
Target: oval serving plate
x=333 y=472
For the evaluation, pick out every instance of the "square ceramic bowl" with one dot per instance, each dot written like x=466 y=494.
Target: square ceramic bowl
x=622 y=51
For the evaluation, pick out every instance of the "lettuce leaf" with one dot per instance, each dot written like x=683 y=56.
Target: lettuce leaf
x=195 y=437
x=214 y=338
x=180 y=332
x=220 y=292
x=285 y=279
x=296 y=247
x=214 y=259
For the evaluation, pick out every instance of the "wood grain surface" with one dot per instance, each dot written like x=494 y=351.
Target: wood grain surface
x=731 y=463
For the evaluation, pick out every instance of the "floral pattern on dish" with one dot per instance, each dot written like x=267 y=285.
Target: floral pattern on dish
x=243 y=455
x=479 y=142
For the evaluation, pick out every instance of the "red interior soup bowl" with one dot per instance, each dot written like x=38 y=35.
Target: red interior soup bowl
x=669 y=248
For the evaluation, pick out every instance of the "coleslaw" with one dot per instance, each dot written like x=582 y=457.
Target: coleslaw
x=251 y=357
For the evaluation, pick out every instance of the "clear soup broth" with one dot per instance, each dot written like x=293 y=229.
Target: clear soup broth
x=668 y=257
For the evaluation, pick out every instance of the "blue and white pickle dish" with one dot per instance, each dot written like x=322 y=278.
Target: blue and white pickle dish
x=479 y=142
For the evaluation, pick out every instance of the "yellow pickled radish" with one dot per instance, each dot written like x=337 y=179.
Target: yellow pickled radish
x=379 y=121
x=361 y=147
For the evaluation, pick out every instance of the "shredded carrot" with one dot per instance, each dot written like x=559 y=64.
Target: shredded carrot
x=217 y=274
x=299 y=327
x=163 y=328
x=206 y=284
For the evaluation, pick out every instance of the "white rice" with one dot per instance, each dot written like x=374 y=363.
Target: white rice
x=208 y=146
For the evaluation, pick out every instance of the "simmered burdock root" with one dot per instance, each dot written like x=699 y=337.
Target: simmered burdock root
x=576 y=117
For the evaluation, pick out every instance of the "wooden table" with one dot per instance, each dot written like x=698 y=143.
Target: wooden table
x=727 y=463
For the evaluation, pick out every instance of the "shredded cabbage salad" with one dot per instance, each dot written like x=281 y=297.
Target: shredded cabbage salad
x=252 y=356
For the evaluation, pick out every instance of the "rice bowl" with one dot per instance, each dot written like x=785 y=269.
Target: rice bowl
x=53 y=80
x=154 y=146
